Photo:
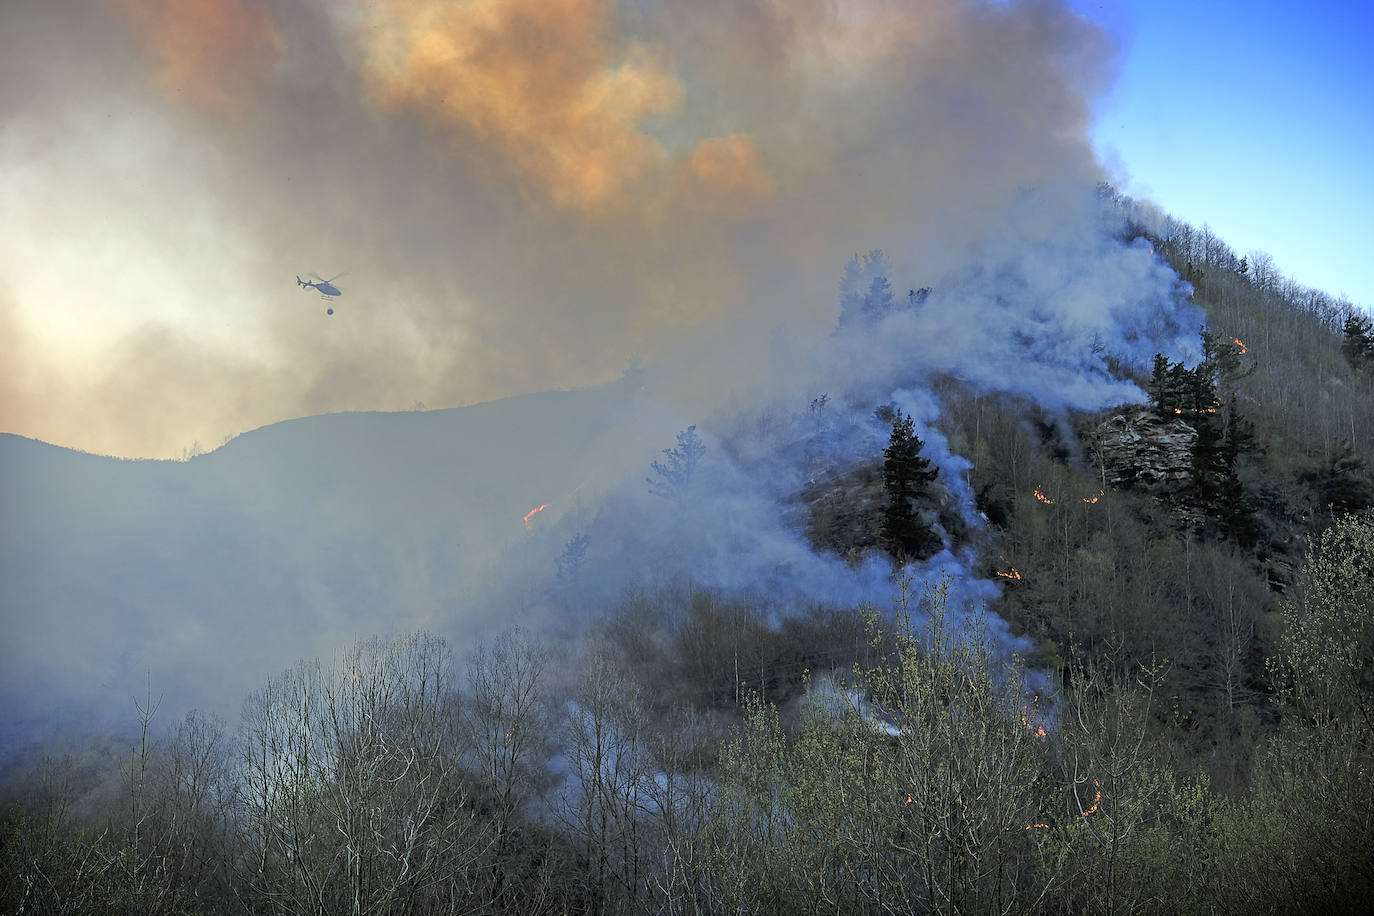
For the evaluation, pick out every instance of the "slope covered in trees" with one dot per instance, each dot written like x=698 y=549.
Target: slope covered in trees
x=1187 y=728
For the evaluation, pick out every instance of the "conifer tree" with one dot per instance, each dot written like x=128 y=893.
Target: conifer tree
x=1358 y=344
x=675 y=474
x=1159 y=385
x=906 y=476
x=1236 y=511
x=1223 y=436
x=865 y=291
x=1221 y=360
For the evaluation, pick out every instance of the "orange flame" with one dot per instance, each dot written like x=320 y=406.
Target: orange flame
x=532 y=513
x=1043 y=498
x=1096 y=798
x=1028 y=717
x=1092 y=499
x=1010 y=575
x=1240 y=345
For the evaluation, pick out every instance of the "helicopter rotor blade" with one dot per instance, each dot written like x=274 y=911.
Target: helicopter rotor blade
x=336 y=276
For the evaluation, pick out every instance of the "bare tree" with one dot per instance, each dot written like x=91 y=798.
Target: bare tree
x=1262 y=271
x=610 y=780
x=352 y=790
x=508 y=728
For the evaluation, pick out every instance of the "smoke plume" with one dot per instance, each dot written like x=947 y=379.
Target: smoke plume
x=524 y=195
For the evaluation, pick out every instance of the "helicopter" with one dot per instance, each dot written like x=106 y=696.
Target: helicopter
x=324 y=287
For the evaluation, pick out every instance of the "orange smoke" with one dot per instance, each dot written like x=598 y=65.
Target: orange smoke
x=559 y=97
x=543 y=81
x=532 y=513
x=212 y=53
x=728 y=171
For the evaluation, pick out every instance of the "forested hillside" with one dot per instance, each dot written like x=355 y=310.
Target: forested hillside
x=1186 y=723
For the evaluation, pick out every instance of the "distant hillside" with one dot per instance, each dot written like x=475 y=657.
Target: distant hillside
x=212 y=573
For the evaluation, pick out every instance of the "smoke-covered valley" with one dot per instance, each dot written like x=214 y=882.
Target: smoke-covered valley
x=526 y=198
x=209 y=575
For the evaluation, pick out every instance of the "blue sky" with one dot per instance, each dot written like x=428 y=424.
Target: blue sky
x=1257 y=119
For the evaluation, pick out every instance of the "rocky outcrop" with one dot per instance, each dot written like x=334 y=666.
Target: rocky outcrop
x=1137 y=448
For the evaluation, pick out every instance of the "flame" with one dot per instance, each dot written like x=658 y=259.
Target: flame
x=909 y=799
x=1010 y=575
x=1028 y=717
x=1092 y=499
x=1240 y=345
x=1043 y=498
x=1097 y=797
x=532 y=513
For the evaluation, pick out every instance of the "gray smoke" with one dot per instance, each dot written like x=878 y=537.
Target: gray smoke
x=701 y=218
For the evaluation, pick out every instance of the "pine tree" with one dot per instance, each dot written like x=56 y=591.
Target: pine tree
x=1221 y=359
x=865 y=291
x=573 y=556
x=1159 y=386
x=1358 y=345
x=1236 y=511
x=878 y=301
x=674 y=474
x=1223 y=436
x=1200 y=389
x=906 y=476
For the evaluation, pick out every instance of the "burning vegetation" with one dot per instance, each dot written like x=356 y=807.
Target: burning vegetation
x=529 y=516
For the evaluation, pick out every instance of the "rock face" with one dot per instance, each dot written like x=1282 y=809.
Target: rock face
x=1138 y=448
